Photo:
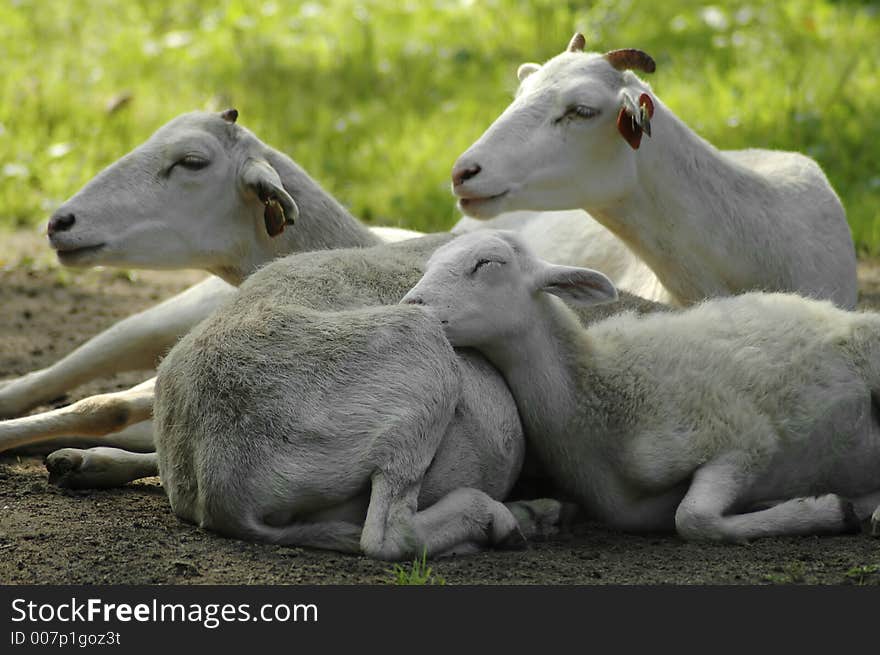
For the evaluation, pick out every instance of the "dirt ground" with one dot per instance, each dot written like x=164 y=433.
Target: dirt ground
x=130 y=536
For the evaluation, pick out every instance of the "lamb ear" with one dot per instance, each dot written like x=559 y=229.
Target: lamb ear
x=527 y=69
x=257 y=176
x=580 y=286
x=635 y=118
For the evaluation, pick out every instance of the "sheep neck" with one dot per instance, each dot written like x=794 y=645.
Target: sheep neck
x=684 y=216
x=323 y=223
x=547 y=368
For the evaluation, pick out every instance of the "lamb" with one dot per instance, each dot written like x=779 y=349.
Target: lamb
x=296 y=415
x=693 y=421
x=707 y=222
x=243 y=220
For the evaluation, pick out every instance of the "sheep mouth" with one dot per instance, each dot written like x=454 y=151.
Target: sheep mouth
x=474 y=204
x=73 y=255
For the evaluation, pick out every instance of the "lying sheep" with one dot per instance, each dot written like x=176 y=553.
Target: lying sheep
x=689 y=421
x=297 y=415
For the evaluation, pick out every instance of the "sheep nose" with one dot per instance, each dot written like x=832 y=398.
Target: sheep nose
x=60 y=223
x=464 y=172
x=412 y=300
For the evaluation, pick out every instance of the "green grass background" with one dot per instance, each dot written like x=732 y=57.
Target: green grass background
x=376 y=99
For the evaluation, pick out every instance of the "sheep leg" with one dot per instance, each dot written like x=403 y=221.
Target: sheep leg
x=133 y=343
x=97 y=415
x=716 y=488
x=99 y=468
x=875 y=523
x=394 y=529
x=137 y=438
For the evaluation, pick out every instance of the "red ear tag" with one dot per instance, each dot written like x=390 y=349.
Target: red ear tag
x=645 y=100
x=628 y=128
x=273 y=216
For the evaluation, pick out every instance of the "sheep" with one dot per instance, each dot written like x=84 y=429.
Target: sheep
x=693 y=421
x=243 y=220
x=295 y=414
x=707 y=222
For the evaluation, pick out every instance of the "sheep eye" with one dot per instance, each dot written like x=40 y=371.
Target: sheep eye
x=485 y=262
x=189 y=162
x=193 y=162
x=579 y=111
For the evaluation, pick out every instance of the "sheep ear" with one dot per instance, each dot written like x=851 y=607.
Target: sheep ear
x=527 y=69
x=580 y=286
x=258 y=177
x=635 y=118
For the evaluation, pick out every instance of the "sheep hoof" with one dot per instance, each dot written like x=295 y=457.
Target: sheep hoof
x=541 y=518
x=62 y=466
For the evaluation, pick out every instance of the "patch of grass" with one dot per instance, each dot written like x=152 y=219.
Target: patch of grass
x=377 y=99
x=790 y=573
x=863 y=573
x=418 y=573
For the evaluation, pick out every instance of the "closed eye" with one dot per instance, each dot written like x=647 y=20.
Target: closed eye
x=576 y=112
x=486 y=262
x=191 y=163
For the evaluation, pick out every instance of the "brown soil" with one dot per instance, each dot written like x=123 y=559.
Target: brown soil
x=130 y=536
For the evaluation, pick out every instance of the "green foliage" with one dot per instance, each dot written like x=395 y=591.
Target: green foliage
x=861 y=574
x=419 y=573
x=377 y=99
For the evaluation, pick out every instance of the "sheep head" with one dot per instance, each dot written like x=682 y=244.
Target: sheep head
x=567 y=139
x=199 y=193
x=482 y=286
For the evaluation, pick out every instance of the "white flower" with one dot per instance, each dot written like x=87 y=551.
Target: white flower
x=58 y=150
x=714 y=17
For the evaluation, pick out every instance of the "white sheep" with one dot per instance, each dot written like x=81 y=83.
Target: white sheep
x=707 y=222
x=690 y=420
x=296 y=415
